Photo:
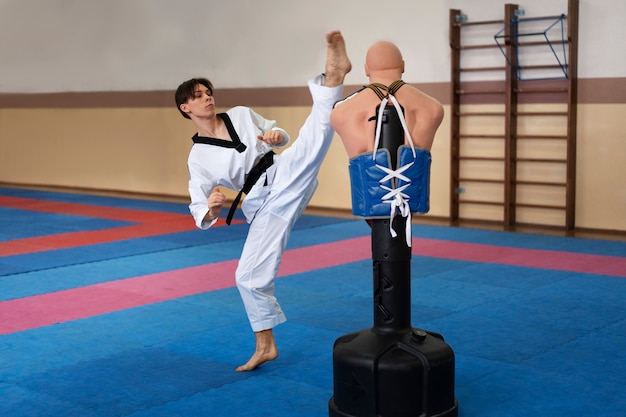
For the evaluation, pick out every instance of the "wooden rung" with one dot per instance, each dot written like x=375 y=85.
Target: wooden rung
x=547 y=161
x=479 y=22
x=540 y=206
x=485 y=69
x=542 y=43
x=547 y=113
x=479 y=158
x=538 y=67
x=534 y=19
x=485 y=180
x=461 y=114
x=486 y=91
x=481 y=46
x=465 y=136
x=560 y=137
x=547 y=184
x=490 y=203
x=540 y=90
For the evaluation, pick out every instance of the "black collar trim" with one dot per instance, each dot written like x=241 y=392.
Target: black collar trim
x=235 y=143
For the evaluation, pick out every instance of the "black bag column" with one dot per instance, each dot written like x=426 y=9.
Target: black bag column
x=392 y=369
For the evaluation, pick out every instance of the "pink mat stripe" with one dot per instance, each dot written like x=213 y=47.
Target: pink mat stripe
x=58 y=307
x=533 y=258
x=61 y=306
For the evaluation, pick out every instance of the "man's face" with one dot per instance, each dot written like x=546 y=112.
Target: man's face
x=202 y=104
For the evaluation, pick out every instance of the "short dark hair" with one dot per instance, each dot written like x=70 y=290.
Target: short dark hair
x=186 y=91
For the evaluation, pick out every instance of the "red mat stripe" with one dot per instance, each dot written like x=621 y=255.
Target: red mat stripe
x=75 y=209
x=76 y=239
x=150 y=223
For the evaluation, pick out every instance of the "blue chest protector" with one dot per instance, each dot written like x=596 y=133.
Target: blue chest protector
x=380 y=190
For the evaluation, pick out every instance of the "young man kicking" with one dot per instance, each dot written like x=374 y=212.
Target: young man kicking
x=229 y=149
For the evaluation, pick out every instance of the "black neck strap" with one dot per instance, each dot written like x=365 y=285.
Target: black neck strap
x=383 y=91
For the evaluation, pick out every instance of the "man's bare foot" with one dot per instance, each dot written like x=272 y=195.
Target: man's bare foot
x=266 y=351
x=337 y=62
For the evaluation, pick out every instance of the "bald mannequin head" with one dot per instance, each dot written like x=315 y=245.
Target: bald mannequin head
x=383 y=57
x=352 y=119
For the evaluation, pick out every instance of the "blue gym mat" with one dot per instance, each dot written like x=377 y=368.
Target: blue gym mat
x=528 y=341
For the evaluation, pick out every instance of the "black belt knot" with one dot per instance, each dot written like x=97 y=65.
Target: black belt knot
x=253 y=176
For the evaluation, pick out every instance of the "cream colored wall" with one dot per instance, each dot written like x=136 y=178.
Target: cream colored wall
x=601 y=167
x=118 y=45
x=135 y=150
x=144 y=150
x=141 y=150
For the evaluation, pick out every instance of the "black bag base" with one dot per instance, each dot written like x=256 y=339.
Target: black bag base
x=407 y=373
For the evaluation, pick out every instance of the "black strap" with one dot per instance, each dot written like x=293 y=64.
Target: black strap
x=395 y=86
x=253 y=176
x=378 y=88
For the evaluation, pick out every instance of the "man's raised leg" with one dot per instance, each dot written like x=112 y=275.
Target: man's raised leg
x=337 y=62
x=337 y=66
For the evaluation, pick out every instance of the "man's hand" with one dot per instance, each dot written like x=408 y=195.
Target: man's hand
x=216 y=201
x=272 y=137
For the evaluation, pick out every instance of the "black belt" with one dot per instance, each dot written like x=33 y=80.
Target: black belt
x=253 y=176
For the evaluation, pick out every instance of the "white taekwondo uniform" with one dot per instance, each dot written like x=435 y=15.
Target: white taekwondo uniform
x=271 y=209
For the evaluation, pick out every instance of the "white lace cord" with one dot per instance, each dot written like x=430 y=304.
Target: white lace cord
x=395 y=197
x=379 y=122
x=398 y=200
